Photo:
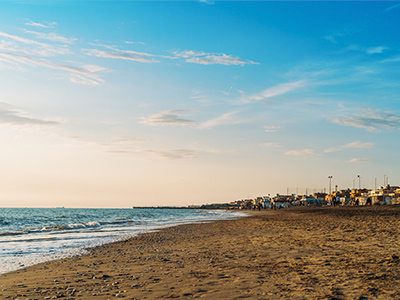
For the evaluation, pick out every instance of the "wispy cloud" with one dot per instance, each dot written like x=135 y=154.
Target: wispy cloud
x=119 y=144
x=127 y=145
x=17 y=52
x=229 y=118
x=132 y=43
x=11 y=115
x=390 y=60
x=369 y=50
x=83 y=74
x=52 y=37
x=173 y=154
x=333 y=37
x=271 y=145
x=302 y=152
x=42 y=25
x=271 y=128
x=371 y=120
x=190 y=56
x=168 y=117
x=333 y=149
x=190 y=53
x=392 y=7
x=359 y=160
x=128 y=140
x=203 y=58
x=375 y=50
x=227 y=92
x=207 y=2
x=142 y=57
x=30 y=47
x=358 y=144
x=219 y=60
x=274 y=91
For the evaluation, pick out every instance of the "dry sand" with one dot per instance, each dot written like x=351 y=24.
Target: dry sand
x=301 y=253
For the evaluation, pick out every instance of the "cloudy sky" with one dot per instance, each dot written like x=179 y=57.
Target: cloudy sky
x=121 y=103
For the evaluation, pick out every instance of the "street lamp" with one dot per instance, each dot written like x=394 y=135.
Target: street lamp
x=359 y=182
x=330 y=182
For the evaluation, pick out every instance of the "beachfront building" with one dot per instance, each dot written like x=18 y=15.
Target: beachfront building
x=385 y=195
x=311 y=201
x=282 y=201
x=396 y=199
x=266 y=202
x=359 y=197
x=342 y=197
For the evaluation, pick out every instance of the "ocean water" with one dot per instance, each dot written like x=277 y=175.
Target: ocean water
x=32 y=235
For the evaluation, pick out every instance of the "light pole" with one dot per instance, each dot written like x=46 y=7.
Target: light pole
x=359 y=182
x=330 y=182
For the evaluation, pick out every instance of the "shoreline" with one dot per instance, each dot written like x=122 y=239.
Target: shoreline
x=66 y=234
x=299 y=253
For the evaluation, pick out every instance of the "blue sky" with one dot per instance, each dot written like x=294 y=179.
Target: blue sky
x=121 y=103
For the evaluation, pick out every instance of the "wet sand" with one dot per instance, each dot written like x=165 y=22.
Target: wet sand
x=298 y=253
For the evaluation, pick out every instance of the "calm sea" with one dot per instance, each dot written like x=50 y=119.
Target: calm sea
x=32 y=235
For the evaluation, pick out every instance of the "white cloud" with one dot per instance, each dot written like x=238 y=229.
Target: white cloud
x=371 y=120
x=228 y=118
x=274 y=91
x=10 y=115
x=358 y=144
x=52 y=37
x=127 y=140
x=392 y=7
x=271 y=128
x=42 y=25
x=78 y=74
x=30 y=47
x=87 y=80
x=271 y=145
x=332 y=37
x=189 y=53
x=203 y=58
x=126 y=145
x=390 y=60
x=370 y=50
x=168 y=117
x=139 y=57
x=303 y=152
x=330 y=150
x=137 y=53
x=359 y=160
x=376 y=50
x=227 y=92
x=173 y=154
x=131 y=43
x=219 y=60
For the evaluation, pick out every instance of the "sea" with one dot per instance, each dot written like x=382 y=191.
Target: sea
x=30 y=236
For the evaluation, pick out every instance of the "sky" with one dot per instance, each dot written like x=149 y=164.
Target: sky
x=141 y=103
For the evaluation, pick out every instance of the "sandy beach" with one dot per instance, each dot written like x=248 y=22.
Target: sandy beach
x=297 y=253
